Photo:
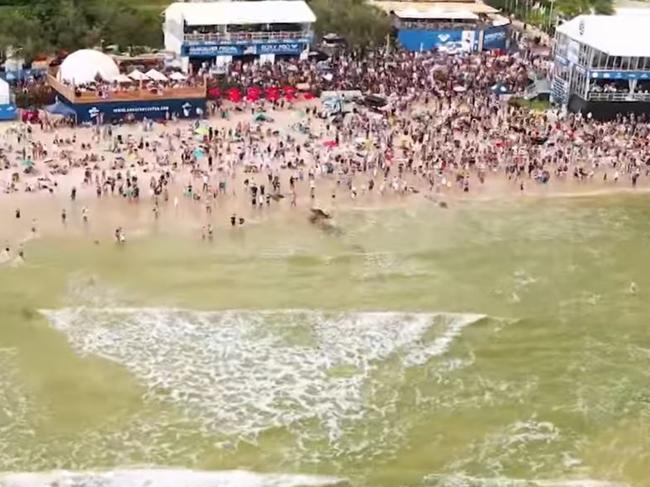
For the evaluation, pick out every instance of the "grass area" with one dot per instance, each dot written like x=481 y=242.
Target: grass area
x=534 y=105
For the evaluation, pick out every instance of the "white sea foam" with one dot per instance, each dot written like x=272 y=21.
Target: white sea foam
x=241 y=373
x=442 y=480
x=165 y=478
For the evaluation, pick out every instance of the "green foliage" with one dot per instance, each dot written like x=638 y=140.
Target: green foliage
x=360 y=23
x=46 y=26
x=524 y=9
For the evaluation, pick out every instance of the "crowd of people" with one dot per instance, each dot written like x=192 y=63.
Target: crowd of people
x=443 y=134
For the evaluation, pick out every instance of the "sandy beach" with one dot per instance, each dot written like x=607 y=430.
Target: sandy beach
x=240 y=151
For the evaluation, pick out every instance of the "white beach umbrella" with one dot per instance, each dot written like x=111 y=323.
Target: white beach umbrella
x=155 y=75
x=176 y=76
x=122 y=78
x=138 y=75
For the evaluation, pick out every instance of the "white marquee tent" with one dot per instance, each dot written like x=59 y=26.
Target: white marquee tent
x=83 y=67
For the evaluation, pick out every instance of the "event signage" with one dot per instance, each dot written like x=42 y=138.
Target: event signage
x=620 y=75
x=281 y=48
x=495 y=38
x=158 y=109
x=573 y=52
x=217 y=50
x=213 y=50
x=425 y=40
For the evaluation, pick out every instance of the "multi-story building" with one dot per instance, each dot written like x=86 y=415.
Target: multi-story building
x=602 y=64
x=221 y=31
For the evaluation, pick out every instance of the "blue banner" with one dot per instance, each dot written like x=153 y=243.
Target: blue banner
x=152 y=109
x=620 y=75
x=213 y=50
x=281 y=48
x=418 y=39
x=495 y=37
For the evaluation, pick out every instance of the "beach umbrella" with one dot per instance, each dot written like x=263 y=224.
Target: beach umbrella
x=138 y=75
x=289 y=92
x=234 y=95
x=202 y=131
x=155 y=75
x=260 y=117
x=121 y=78
x=460 y=89
x=198 y=153
x=330 y=144
x=308 y=96
x=253 y=93
x=27 y=163
x=176 y=76
x=272 y=94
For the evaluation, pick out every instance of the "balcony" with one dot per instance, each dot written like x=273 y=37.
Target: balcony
x=598 y=96
x=138 y=93
x=248 y=37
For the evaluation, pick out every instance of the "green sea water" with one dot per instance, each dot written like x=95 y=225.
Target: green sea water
x=492 y=343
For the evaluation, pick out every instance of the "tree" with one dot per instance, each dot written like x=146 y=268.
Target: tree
x=45 y=26
x=359 y=22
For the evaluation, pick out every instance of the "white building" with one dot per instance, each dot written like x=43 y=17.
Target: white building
x=601 y=58
x=222 y=30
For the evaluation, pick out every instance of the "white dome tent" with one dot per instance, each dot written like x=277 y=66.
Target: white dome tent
x=83 y=67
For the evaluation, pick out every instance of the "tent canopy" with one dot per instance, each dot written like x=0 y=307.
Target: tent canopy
x=59 y=108
x=122 y=78
x=176 y=76
x=155 y=75
x=85 y=65
x=138 y=75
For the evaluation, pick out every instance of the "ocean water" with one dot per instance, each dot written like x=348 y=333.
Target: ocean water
x=488 y=344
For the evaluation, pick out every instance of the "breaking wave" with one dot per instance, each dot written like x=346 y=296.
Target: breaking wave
x=166 y=478
x=467 y=481
x=241 y=373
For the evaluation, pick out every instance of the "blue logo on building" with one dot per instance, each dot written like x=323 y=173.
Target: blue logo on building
x=495 y=38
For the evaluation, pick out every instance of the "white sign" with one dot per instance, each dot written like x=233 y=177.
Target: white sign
x=573 y=51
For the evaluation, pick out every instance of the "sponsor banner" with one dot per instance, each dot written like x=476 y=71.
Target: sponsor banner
x=425 y=40
x=644 y=75
x=573 y=52
x=495 y=38
x=152 y=109
x=281 y=48
x=207 y=50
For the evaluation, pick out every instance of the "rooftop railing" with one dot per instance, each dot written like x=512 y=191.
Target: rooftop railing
x=135 y=93
x=618 y=96
x=231 y=37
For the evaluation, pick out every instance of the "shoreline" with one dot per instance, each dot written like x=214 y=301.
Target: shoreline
x=151 y=152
